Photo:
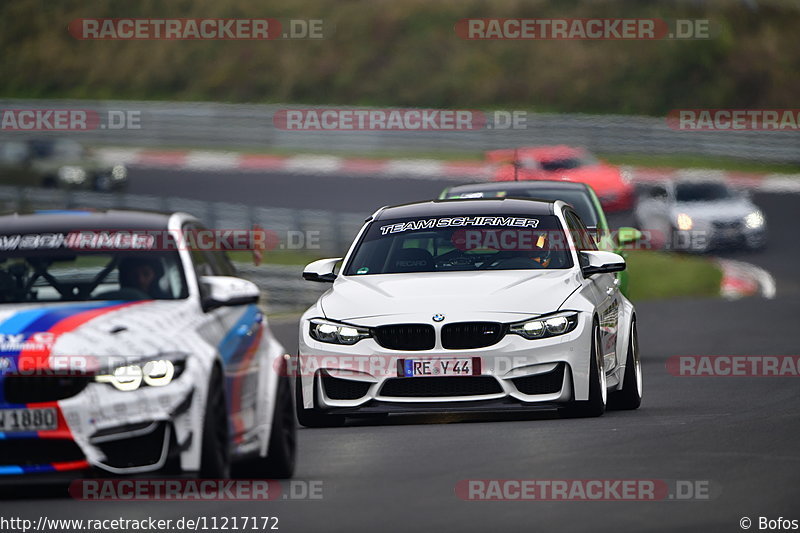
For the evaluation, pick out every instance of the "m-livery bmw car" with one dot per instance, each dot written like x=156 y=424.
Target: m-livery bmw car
x=124 y=352
x=489 y=304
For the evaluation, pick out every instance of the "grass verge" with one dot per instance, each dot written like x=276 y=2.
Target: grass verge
x=662 y=275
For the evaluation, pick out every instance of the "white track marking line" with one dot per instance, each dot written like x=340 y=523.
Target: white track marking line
x=201 y=160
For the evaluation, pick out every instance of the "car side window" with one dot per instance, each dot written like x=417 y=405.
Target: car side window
x=583 y=240
x=202 y=266
x=220 y=263
x=208 y=262
x=659 y=192
x=13 y=153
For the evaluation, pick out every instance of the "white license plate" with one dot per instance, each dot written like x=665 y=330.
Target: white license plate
x=12 y=420
x=464 y=366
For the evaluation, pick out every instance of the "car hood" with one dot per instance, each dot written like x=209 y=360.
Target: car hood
x=454 y=294
x=94 y=329
x=725 y=210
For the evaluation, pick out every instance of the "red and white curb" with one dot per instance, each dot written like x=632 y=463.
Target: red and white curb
x=201 y=160
x=740 y=279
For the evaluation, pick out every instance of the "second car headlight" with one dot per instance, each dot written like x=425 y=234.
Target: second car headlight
x=754 y=220
x=336 y=332
x=119 y=172
x=684 y=222
x=72 y=175
x=546 y=326
x=153 y=373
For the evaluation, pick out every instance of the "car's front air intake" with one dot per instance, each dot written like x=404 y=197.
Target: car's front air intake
x=467 y=335
x=406 y=336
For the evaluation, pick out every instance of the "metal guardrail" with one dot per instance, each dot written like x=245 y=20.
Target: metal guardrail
x=284 y=287
x=242 y=126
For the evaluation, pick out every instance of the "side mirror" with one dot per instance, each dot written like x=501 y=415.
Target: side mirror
x=321 y=270
x=225 y=291
x=628 y=236
x=597 y=262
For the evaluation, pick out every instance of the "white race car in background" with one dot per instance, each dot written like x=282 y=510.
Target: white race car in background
x=117 y=357
x=489 y=304
x=697 y=216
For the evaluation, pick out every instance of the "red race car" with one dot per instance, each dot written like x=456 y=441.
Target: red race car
x=611 y=183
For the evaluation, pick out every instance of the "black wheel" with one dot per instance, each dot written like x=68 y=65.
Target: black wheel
x=630 y=397
x=280 y=460
x=215 y=459
x=313 y=418
x=598 y=394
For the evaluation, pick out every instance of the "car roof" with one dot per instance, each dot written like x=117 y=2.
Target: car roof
x=61 y=221
x=517 y=185
x=467 y=207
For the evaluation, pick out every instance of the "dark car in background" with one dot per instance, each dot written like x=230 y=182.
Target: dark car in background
x=579 y=195
x=57 y=163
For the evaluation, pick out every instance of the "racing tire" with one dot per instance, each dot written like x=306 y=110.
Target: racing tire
x=630 y=396
x=282 y=452
x=215 y=456
x=313 y=418
x=598 y=394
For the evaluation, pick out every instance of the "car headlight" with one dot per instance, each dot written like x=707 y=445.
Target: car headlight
x=336 y=332
x=119 y=172
x=685 y=222
x=754 y=220
x=152 y=373
x=72 y=175
x=546 y=326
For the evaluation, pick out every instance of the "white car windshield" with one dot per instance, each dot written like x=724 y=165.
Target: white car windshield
x=461 y=243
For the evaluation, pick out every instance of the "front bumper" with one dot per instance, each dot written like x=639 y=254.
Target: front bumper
x=717 y=236
x=364 y=377
x=106 y=430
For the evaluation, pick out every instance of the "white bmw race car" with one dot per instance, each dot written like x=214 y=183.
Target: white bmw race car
x=478 y=304
x=123 y=352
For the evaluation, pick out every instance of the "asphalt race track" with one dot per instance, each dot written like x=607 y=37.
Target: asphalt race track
x=739 y=435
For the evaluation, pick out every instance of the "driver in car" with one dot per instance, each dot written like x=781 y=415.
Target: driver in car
x=142 y=274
